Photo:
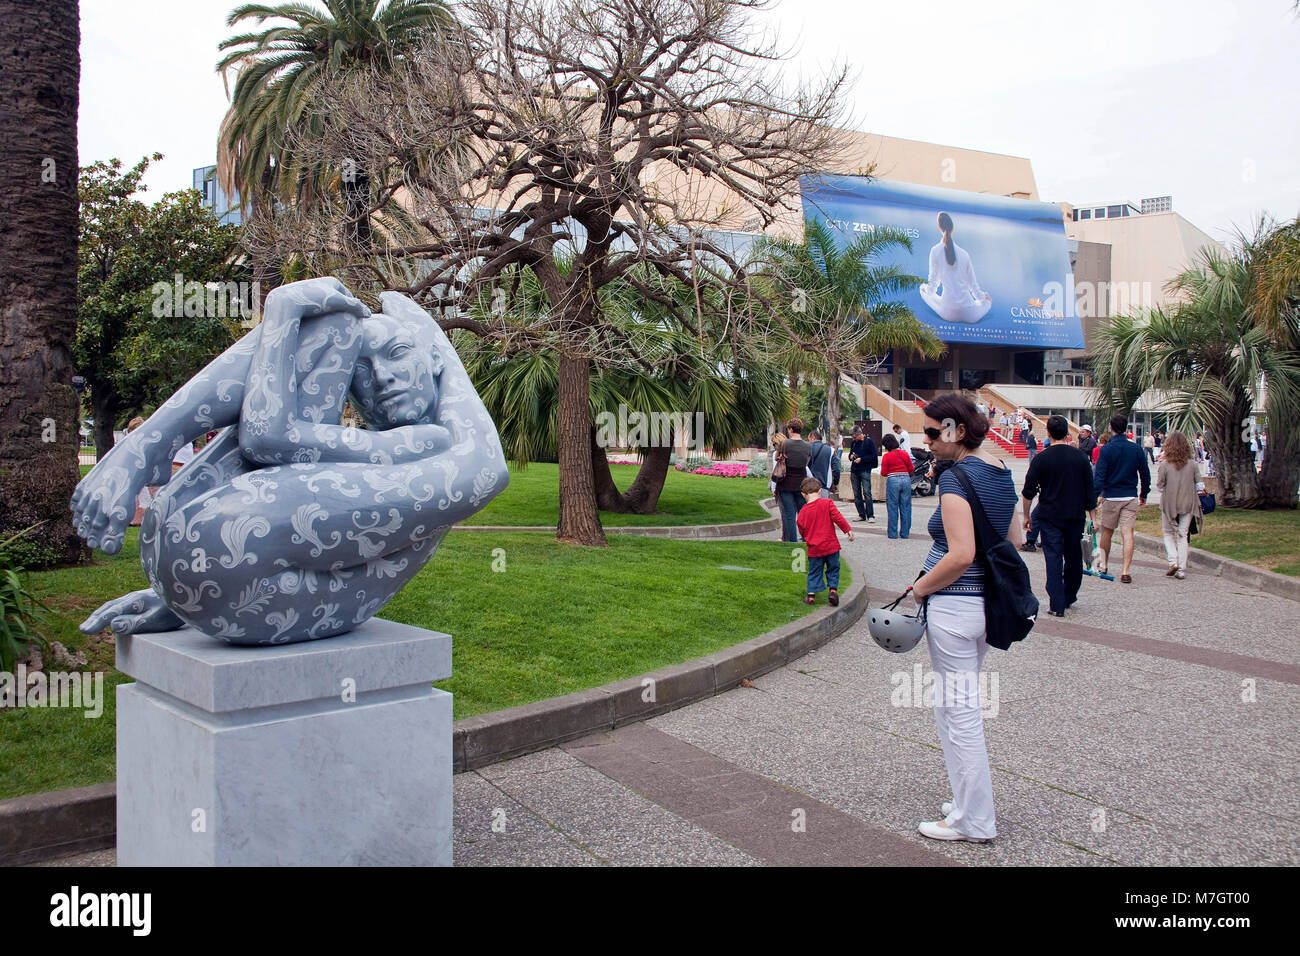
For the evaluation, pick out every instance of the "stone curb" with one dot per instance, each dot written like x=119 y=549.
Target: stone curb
x=504 y=734
x=1270 y=582
x=662 y=531
x=42 y=826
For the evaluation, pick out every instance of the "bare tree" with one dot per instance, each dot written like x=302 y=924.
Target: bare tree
x=584 y=140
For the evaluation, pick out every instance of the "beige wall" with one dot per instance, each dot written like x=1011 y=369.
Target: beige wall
x=1146 y=252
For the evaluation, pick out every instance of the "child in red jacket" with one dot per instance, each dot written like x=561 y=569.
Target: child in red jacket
x=817 y=520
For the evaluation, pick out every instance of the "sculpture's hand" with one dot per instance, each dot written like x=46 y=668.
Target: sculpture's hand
x=104 y=501
x=140 y=612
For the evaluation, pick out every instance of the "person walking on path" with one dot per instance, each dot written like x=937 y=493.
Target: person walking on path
x=819 y=463
x=837 y=470
x=1096 y=449
x=863 y=457
x=1087 y=441
x=1061 y=479
x=1120 y=466
x=903 y=438
x=952 y=584
x=817 y=523
x=1179 y=502
x=797 y=452
x=1149 y=446
x=896 y=469
x=778 y=458
x=1031 y=443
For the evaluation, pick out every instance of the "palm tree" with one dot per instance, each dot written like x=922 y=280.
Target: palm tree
x=1208 y=356
x=681 y=371
x=837 y=305
x=39 y=428
x=1275 y=307
x=280 y=71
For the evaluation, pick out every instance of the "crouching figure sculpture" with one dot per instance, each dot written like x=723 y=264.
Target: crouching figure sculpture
x=288 y=526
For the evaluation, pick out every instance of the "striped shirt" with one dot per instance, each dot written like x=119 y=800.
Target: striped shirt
x=997 y=493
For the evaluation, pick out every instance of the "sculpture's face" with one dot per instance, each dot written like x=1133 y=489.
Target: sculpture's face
x=396 y=377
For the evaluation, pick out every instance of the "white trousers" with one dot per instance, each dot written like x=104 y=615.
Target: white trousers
x=957 y=648
x=1176 y=538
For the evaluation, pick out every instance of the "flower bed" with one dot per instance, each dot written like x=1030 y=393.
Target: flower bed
x=721 y=469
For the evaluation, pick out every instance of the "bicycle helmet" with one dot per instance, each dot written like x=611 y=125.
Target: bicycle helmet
x=895 y=631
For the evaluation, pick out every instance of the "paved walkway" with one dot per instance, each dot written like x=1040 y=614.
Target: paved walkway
x=1125 y=733
x=1154 y=725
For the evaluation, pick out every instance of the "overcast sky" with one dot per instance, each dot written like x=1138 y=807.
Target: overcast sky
x=1109 y=99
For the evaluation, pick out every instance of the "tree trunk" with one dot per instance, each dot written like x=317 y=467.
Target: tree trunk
x=579 y=519
x=1279 y=479
x=105 y=410
x=41 y=67
x=643 y=496
x=833 y=408
x=1234 y=462
x=607 y=494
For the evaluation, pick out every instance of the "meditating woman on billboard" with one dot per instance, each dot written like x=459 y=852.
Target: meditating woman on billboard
x=953 y=291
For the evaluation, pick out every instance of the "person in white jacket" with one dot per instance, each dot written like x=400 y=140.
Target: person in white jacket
x=953 y=292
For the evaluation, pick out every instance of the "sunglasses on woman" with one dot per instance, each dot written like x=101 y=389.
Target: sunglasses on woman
x=934 y=434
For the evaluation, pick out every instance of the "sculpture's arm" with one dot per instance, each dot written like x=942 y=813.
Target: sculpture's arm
x=295 y=394
x=104 y=500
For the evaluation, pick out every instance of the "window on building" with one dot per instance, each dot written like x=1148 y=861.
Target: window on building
x=1083 y=214
x=1113 y=212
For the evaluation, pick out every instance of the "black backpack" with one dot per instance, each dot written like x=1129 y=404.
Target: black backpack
x=1010 y=607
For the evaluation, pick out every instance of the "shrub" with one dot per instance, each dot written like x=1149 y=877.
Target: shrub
x=695 y=461
x=19 y=609
x=759 y=467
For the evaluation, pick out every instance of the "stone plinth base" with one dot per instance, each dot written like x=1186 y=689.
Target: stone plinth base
x=326 y=753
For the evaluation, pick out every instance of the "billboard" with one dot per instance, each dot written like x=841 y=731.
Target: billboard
x=995 y=270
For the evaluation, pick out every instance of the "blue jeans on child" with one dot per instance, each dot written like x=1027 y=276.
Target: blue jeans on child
x=898 y=500
x=828 y=567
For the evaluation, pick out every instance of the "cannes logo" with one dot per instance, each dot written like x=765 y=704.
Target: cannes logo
x=74 y=908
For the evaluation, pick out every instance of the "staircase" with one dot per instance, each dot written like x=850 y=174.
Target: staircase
x=990 y=396
x=1009 y=448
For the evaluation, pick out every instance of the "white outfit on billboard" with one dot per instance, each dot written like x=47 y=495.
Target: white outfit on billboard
x=962 y=299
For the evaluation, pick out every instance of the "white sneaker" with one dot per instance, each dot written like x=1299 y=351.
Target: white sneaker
x=871 y=521
x=939 y=831
x=1180 y=574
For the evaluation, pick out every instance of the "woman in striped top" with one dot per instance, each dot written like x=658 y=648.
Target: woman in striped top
x=953 y=581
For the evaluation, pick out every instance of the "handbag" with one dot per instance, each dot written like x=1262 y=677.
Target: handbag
x=1207 y=503
x=1194 y=527
x=778 y=471
x=1010 y=607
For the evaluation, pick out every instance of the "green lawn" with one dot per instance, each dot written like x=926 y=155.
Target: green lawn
x=1266 y=539
x=533 y=498
x=558 y=618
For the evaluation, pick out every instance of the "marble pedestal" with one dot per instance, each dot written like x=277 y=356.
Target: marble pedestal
x=325 y=753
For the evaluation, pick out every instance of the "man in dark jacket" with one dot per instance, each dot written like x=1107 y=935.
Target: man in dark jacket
x=1119 y=467
x=1061 y=478
x=1087 y=441
x=863 y=457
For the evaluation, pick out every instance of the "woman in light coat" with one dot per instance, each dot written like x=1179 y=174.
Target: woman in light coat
x=1176 y=481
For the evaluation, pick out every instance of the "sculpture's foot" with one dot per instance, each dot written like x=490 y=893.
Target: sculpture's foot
x=140 y=612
